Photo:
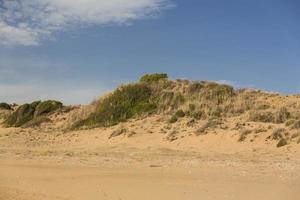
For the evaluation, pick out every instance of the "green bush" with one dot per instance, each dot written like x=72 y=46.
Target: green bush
x=5 y=106
x=31 y=112
x=148 y=78
x=46 y=107
x=124 y=103
x=22 y=115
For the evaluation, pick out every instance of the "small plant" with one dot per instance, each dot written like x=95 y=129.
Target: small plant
x=296 y=125
x=210 y=124
x=282 y=115
x=243 y=135
x=173 y=119
x=266 y=117
x=295 y=135
x=5 y=106
x=179 y=114
x=277 y=134
x=192 y=107
x=290 y=122
x=149 y=78
x=199 y=115
x=117 y=133
x=281 y=143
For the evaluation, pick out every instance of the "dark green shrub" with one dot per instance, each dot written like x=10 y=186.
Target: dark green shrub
x=22 y=115
x=124 y=103
x=148 y=78
x=5 y=106
x=31 y=112
x=173 y=119
x=46 y=107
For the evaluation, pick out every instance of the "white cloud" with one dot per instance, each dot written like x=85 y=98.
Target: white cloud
x=26 y=22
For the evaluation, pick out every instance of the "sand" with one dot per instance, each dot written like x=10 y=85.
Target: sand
x=50 y=164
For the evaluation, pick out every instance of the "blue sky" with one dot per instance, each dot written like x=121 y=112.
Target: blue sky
x=78 y=56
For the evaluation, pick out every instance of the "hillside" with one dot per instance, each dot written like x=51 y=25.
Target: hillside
x=200 y=107
x=176 y=139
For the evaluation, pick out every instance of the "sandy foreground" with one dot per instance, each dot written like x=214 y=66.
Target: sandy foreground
x=87 y=165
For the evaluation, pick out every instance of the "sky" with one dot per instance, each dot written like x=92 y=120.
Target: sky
x=74 y=51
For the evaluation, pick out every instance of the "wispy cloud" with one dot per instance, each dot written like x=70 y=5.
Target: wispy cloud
x=27 y=22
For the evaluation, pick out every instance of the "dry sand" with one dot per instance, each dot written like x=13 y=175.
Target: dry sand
x=142 y=164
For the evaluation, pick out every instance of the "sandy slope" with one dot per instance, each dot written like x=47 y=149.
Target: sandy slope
x=39 y=164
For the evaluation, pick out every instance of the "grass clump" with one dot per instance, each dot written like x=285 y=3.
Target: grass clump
x=149 y=78
x=243 y=135
x=296 y=125
x=281 y=143
x=5 y=106
x=266 y=117
x=210 y=124
x=124 y=103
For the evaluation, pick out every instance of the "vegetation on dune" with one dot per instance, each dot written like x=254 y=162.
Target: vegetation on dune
x=125 y=102
x=148 y=78
x=5 y=106
x=47 y=107
x=31 y=113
